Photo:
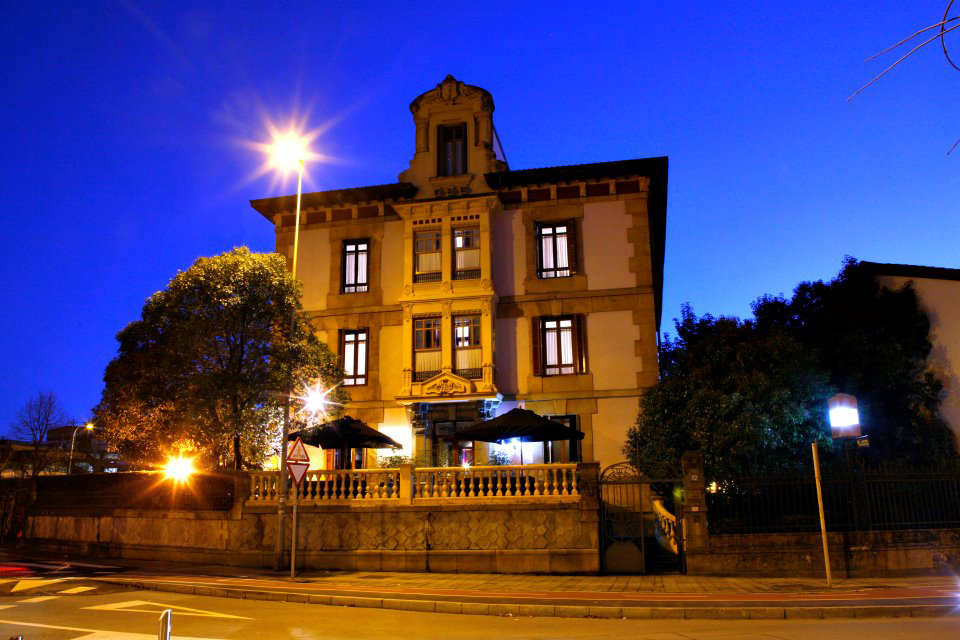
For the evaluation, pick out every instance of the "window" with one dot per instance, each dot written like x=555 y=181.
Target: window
x=558 y=345
x=556 y=249
x=466 y=253
x=426 y=256
x=563 y=450
x=355 y=260
x=353 y=352
x=452 y=150
x=466 y=346
x=426 y=348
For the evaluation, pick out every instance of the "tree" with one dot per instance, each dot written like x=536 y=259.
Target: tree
x=32 y=425
x=875 y=344
x=750 y=399
x=208 y=365
x=752 y=395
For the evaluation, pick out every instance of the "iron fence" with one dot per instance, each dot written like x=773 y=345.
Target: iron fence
x=853 y=500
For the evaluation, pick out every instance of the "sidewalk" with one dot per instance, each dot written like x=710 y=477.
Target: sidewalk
x=665 y=596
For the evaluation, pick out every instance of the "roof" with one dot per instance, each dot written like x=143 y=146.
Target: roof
x=569 y=173
x=396 y=191
x=911 y=271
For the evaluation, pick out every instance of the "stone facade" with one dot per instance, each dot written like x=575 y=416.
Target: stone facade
x=852 y=555
x=612 y=217
x=540 y=535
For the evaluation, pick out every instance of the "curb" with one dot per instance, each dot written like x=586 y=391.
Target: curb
x=556 y=611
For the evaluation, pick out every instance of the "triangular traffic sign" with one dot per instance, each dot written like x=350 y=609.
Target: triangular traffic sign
x=298 y=452
x=298 y=470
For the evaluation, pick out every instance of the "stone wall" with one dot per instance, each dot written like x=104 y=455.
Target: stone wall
x=854 y=554
x=534 y=535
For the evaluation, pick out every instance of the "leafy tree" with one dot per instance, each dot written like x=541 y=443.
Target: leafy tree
x=207 y=367
x=874 y=343
x=750 y=399
x=32 y=425
x=752 y=395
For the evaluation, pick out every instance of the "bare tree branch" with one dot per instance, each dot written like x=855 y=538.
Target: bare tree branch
x=901 y=59
x=33 y=423
x=933 y=26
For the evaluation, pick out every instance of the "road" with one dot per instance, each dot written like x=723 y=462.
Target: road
x=69 y=604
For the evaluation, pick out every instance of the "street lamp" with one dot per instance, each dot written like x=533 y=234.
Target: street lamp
x=73 y=442
x=286 y=152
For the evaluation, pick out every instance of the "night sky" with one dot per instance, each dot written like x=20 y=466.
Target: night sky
x=127 y=129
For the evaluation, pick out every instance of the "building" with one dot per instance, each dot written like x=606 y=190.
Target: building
x=938 y=290
x=466 y=288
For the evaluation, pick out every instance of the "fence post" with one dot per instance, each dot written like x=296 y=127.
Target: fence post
x=695 y=534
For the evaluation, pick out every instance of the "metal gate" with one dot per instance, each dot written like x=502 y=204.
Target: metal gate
x=640 y=520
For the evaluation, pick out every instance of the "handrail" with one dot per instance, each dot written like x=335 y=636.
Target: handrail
x=665 y=528
x=507 y=481
x=409 y=484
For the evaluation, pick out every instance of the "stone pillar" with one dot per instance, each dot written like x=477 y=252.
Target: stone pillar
x=407 y=484
x=695 y=535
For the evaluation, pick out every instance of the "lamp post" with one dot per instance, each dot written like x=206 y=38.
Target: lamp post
x=286 y=152
x=73 y=442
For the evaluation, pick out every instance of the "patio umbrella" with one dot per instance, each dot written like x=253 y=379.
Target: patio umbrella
x=522 y=424
x=346 y=433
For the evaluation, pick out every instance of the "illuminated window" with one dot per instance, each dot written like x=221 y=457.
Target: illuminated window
x=466 y=346
x=556 y=249
x=466 y=253
x=353 y=352
x=355 y=262
x=426 y=256
x=426 y=348
x=452 y=150
x=559 y=345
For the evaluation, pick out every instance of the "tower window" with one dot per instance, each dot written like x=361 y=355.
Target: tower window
x=452 y=150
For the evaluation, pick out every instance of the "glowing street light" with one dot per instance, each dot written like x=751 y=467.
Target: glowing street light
x=73 y=442
x=179 y=469
x=316 y=400
x=844 y=417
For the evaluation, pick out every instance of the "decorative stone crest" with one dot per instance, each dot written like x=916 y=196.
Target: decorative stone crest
x=446 y=287
x=446 y=385
x=486 y=284
x=407 y=311
x=485 y=307
x=408 y=290
x=446 y=306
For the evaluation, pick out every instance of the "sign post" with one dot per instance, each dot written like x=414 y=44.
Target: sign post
x=823 y=521
x=297 y=462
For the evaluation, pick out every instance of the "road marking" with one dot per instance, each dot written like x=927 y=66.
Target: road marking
x=97 y=634
x=33 y=583
x=77 y=590
x=40 y=599
x=130 y=605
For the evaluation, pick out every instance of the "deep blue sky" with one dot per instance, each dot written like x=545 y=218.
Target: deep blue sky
x=122 y=156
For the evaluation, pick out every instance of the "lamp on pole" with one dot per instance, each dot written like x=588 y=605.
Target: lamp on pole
x=73 y=442
x=286 y=153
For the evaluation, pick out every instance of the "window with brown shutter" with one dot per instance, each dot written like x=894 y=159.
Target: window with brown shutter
x=556 y=249
x=537 y=342
x=559 y=345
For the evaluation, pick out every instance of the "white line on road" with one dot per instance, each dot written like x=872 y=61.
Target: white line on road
x=97 y=634
x=179 y=610
x=77 y=590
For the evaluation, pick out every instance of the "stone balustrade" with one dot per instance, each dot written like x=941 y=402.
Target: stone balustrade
x=409 y=485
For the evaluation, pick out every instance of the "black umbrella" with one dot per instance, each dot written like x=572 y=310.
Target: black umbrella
x=346 y=433
x=523 y=424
